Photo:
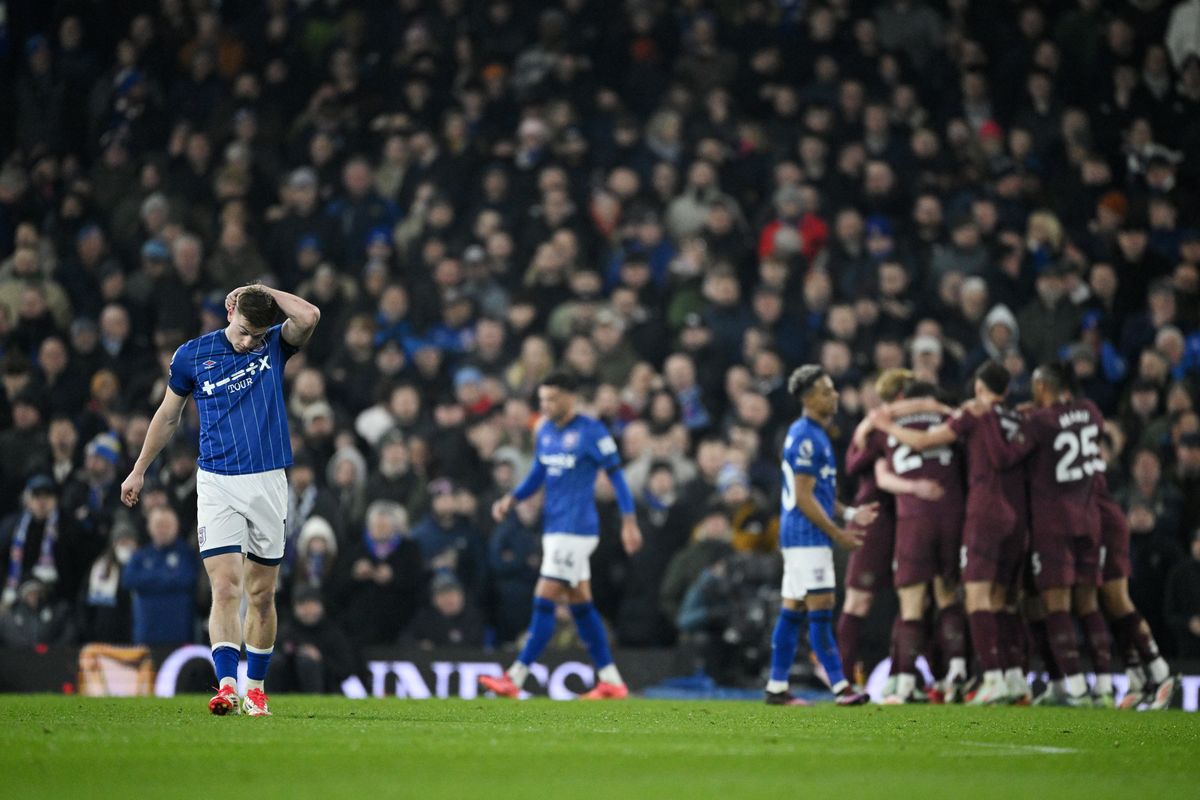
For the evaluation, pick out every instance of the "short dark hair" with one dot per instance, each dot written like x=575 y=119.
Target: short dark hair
x=804 y=378
x=1057 y=376
x=561 y=379
x=257 y=305
x=994 y=376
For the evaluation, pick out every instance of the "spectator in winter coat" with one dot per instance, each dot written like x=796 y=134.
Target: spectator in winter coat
x=162 y=579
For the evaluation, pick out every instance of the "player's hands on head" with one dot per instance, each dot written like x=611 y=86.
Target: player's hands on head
x=131 y=488
x=631 y=535
x=927 y=489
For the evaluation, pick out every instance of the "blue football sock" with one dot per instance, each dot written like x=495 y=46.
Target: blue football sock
x=257 y=661
x=784 y=641
x=591 y=631
x=541 y=628
x=225 y=661
x=820 y=638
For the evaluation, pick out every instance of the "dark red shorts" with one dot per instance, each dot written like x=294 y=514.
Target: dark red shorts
x=991 y=553
x=927 y=547
x=1114 y=542
x=1059 y=561
x=870 y=567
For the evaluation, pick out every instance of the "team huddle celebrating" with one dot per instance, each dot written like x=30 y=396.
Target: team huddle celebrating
x=996 y=527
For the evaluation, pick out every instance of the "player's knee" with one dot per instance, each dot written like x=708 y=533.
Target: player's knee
x=226 y=591
x=261 y=599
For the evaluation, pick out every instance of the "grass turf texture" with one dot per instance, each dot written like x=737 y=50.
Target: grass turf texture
x=52 y=746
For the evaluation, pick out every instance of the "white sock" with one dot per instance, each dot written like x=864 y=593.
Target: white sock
x=993 y=676
x=1136 y=678
x=1159 y=671
x=1104 y=684
x=253 y=684
x=610 y=674
x=775 y=687
x=958 y=669
x=1014 y=675
x=1076 y=685
x=905 y=684
x=840 y=686
x=228 y=682
x=517 y=673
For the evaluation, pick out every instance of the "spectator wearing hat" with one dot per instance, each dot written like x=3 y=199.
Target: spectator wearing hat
x=35 y=618
x=470 y=392
x=450 y=619
x=312 y=653
x=1182 y=603
x=39 y=541
x=162 y=579
x=755 y=528
x=449 y=541
x=316 y=561
x=381 y=583
x=93 y=497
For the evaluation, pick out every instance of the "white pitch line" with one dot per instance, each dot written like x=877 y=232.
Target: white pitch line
x=1002 y=748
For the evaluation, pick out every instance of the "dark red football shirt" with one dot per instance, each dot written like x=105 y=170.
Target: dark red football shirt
x=941 y=464
x=860 y=464
x=997 y=494
x=1062 y=445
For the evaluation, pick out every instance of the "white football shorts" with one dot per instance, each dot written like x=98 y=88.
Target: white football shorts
x=242 y=514
x=565 y=557
x=807 y=569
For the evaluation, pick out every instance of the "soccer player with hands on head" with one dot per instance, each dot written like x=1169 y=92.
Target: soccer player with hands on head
x=235 y=375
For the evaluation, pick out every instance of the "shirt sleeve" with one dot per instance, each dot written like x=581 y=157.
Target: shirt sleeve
x=604 y=447
x=179 y=374
x=803 y=455
x=962 y=424
x=286 y=349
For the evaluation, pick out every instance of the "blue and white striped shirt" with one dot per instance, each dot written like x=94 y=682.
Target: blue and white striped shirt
x=243 y=417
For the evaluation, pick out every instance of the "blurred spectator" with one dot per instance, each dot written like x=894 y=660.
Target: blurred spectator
x=312 y=654
x=711 y=541
x=664 y=521
x=449 y=541
x=1182 y=605
x=450 y=620
x=35 y=618
x=41 y=542
x=161 y=577
x=514 y=563
x=316 y=557
x=381 y=583
x=105 y=604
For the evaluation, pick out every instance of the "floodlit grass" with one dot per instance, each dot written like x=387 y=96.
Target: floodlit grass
x=66 y=747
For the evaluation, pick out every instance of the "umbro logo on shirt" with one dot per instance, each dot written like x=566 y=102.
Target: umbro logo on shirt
x=209 y=364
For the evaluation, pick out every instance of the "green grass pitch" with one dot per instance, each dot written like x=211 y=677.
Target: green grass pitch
x=61 y=747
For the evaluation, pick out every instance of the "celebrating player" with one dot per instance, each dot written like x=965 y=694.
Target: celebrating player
x=570 y=449
x=928 y=537
x=1061 y=440
x=236 y=376
x=994 y=535
x=807 y=532
x=870 y=566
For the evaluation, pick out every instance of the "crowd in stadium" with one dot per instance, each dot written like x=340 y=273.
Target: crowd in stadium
x=677 y=202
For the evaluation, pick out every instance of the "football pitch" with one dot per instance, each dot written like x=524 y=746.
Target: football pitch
x=54 y=746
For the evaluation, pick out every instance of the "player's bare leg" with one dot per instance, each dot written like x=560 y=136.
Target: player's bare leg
x=855 y=609
x=260 y=628
x=1153 y=682
x=1064 y=644
x=952 y=638
x=225 y=628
